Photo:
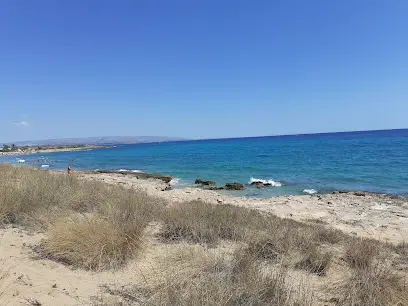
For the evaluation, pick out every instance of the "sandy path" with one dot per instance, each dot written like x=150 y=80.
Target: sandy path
x=370 y=215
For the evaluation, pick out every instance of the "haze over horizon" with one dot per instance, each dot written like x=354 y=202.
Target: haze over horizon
x=217 y=69
x=147 y=139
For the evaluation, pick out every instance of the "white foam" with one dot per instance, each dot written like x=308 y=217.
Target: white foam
x=269 y=182
x=310 y=191
x=126 y=170
x=21 y=160
x=174 y=181
x=45 y=166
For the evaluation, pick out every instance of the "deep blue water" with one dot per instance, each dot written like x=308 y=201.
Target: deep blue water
x=374 y=161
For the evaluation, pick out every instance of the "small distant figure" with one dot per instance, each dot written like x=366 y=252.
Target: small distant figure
x=69 y=169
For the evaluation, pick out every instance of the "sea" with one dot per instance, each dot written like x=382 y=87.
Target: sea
x=374 y=161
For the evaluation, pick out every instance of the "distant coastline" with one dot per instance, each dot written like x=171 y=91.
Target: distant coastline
x=50 y=149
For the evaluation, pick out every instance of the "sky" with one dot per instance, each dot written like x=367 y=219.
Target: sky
x=201 y=68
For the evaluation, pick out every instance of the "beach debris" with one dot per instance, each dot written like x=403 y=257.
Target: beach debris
x=234 y=186
x=206 y=183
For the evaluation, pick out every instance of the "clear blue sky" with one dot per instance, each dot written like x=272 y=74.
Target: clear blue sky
x=202 y=68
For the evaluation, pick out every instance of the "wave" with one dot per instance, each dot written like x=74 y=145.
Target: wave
x=45 y=166
x=126 y=170
x=266 y=182
x=21 y=160
x=310 y=191
x=174 y=181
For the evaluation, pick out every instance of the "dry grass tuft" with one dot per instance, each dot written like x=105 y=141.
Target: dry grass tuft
x=266 y=248
x=200 y=222
x=360 y=253
x=91 y=243
x=315 y=261
x=203 y=278
x=107 y=238
x=376 y=285
x=323 y=234
x=91 y=225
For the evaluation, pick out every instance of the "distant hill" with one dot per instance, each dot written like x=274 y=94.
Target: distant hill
x=103 y=140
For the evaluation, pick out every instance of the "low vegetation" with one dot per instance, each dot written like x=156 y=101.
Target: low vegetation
x=206 y=254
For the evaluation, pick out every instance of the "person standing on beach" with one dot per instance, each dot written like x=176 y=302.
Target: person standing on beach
x=69 y=169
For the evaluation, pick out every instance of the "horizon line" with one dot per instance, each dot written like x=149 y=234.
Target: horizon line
x=183 y=139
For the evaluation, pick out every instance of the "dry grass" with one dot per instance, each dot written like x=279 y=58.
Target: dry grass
x=28 y=195
x=315 y=261
x=211 y=279
x=90 y=225
x=97 y=226
x=376 y=285
x=200 y=222
x=106 y=239
x=91 y=243
x=360 y=253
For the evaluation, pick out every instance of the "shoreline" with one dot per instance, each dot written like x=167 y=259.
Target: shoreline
x=53 y=150
x=378 y=216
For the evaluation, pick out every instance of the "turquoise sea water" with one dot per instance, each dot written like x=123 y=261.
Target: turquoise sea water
x=374 y=161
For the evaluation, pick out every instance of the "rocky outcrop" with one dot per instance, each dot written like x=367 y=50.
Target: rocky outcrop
x=205 y=183
x=356 y=193
x=340 y=191
x=234 y=186
x=139 y=175
x=214 y=188
x=259 y=184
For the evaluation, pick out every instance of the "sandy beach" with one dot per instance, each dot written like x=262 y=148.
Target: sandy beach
x=377 y=216
x=30 y=279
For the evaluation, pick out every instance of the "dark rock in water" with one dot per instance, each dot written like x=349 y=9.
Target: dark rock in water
x=340 y=191
x=360 y=194
x=206 y=183
x=214 y=188
x=164 y=178
x=267 y=184
x=234 y=186
x=259 y=184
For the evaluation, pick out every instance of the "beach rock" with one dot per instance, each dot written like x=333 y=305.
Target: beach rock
x=206 y=183
x=234 y=186
x=167 y=188
x=340 y=191
x=259 y=184
x=214 y=188
x=164 y=178
x=360 y=194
